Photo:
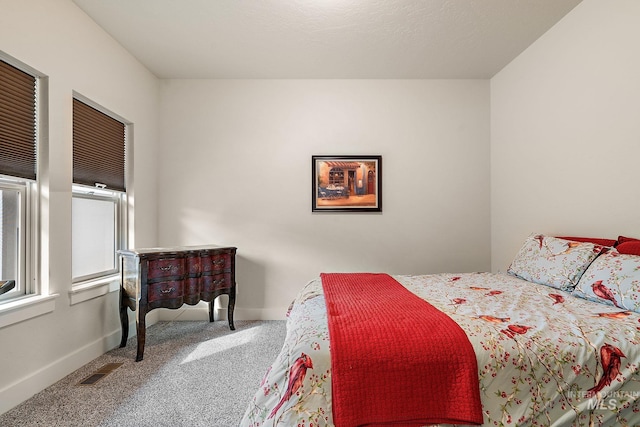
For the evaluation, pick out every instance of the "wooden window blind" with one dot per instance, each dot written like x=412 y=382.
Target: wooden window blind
x=17 y=122
x=98 y=148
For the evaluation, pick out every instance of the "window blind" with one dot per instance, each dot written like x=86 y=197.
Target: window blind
x=98 y=148
x=17 y=122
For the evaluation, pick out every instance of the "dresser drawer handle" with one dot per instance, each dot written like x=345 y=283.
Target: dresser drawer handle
x=167 y=268
x=218 y=282
x=167 y=291
x=218 y=261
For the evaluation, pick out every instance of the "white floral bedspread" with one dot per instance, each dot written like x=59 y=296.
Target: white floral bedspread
x=545 y=357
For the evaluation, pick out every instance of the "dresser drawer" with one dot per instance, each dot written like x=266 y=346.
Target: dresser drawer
x=192 y=286
x=194 y=265
x=216 y=262
x=192 y=289
x=166 y=267
x=216 y=282
x=165 y=290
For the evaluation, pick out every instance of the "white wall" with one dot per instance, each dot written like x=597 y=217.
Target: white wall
x=565 y=131
x=235 y=169
x=59 y=40
x=550 y=145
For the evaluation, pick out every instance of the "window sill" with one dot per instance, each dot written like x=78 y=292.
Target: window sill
x=94 y=288
x=26 y=308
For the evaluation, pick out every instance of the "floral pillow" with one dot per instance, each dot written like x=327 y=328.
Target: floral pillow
x=554 y=262
x=612 y=279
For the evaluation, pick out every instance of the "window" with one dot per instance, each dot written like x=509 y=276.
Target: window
x=336 y=177
x=19 y=124
x=99 y=193
x=14 y=195
x=96 y=232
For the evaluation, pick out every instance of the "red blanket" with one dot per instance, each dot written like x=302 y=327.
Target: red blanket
x=395 y=359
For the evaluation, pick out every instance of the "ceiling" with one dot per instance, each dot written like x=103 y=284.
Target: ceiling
x=324 y=39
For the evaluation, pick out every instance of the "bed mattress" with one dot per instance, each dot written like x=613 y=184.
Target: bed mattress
x=544 y=356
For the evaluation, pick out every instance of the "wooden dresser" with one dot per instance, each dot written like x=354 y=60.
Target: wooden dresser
x=170 y=277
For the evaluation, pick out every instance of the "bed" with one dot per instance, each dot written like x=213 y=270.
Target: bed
x=556 y=341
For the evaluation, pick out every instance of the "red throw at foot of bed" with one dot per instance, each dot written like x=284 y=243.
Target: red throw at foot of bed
x=395 y=359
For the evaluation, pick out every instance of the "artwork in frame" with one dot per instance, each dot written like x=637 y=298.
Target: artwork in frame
x=346 y=183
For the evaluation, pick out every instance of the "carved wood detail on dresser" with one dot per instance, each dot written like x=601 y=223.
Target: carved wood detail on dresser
x=170 y=277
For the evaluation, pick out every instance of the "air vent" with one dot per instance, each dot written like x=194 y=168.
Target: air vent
x=100 y=374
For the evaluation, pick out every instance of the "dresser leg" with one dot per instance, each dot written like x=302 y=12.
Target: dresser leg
x=141 y=330
x=211 y=310
x=124 y=319
x=231 y=306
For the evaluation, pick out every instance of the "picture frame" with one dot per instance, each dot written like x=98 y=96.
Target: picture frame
x=351 y=183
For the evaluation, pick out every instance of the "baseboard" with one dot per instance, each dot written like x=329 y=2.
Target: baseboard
x=201 y=312
x=185 y=313
x=18 y=392
x=260 y=313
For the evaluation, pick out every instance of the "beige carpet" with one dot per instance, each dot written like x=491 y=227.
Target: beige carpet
x=193 y=374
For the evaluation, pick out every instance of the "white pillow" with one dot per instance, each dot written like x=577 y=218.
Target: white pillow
x=552 y=261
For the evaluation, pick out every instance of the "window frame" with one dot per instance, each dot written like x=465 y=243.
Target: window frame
x=32 y=290
x=86 y=287
x=25 y=278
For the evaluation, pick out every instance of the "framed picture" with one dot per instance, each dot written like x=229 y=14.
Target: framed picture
x=346 y=183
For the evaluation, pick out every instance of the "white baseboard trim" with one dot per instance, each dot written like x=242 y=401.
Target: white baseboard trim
x=184 y=313
x=201 y=312
x=18 y=392
x=260 y=313
x=25 y=388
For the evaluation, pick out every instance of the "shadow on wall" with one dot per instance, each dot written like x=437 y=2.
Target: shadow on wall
x=250 y=279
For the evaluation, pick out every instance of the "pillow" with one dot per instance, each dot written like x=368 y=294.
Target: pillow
x=594 y=240
x=629 y=248
x=624 y=239
x=612 y=279
x=554 y=262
